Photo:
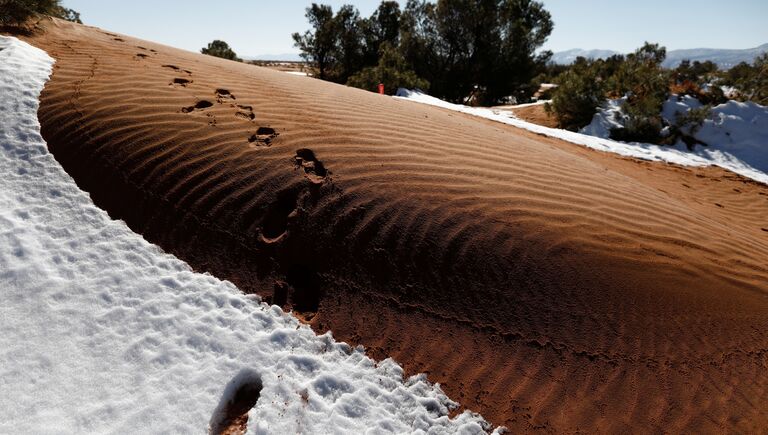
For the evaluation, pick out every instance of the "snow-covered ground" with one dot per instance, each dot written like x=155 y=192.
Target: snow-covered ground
x=520 y=106
x=737 y=135
x=102 y=332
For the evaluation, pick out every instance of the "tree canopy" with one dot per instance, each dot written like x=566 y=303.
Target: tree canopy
x=486 y=47
x=16 y=12
x=220 y=49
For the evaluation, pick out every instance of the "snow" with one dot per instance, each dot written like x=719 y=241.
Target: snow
x=102 y=332
x=520 y=106
x=737 y=133
x=607 y=118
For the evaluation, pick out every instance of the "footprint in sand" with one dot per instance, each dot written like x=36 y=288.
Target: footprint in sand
x=223 y=95
x=200 y=105
x=182 y=82
x=245 y=112
x=177 y=69
x=142 y=55
x=314 y=170
x=275 y=224
x=263 y=137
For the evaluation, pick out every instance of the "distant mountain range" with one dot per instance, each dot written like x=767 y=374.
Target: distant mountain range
x=724 y=58
x=567 y=57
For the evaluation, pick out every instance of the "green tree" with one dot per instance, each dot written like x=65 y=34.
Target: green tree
x=420 y=40
x=392 y=71
x=646 y=85
x=349 y=43
x=318 y=45
x=220 y=49
x=383 y=26
x=524 y=26
x=16 y=12
x=489 y=45
x=751 y=81
x=580 y=92
x=484 y=47
x=334 y=46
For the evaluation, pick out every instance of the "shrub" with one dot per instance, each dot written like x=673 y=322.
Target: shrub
x=577 y=98
x=392 y=71
x=752 y=83
x=642 y=121
x=686 y=125
x=16 y=12
x=750 y=80
x=641 y=78
x=220 y=49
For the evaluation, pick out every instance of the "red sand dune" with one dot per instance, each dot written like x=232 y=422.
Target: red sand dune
x=550 y=287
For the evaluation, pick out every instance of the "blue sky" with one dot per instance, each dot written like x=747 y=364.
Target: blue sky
x=254 y=27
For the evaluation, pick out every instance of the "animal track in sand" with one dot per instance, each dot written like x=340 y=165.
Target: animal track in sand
x=263 y=136
x=142 y=55
x=200 y=105
x=313 y=168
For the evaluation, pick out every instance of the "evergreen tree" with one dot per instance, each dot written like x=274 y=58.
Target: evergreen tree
x=392 y=71
x=349 y=43
x=16 y=12
x=220 y=49
x=646 y=86
x=419 y=41
x=580 y=92
x=382 y=27
x=751 y=81
x=318 y=45
x=486 y=47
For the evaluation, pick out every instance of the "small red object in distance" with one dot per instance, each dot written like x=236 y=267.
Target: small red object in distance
x=381 y=88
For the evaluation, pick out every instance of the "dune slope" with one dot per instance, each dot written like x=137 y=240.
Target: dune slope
x=549 y=287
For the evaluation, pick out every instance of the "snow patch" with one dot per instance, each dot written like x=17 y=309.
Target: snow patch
x=744 y=152
x=102 y=332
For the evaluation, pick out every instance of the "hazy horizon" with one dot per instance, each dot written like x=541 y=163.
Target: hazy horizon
x=254 y=29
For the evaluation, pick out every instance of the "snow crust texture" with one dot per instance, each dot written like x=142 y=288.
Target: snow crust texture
x=102 y=332
x=737 y=135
